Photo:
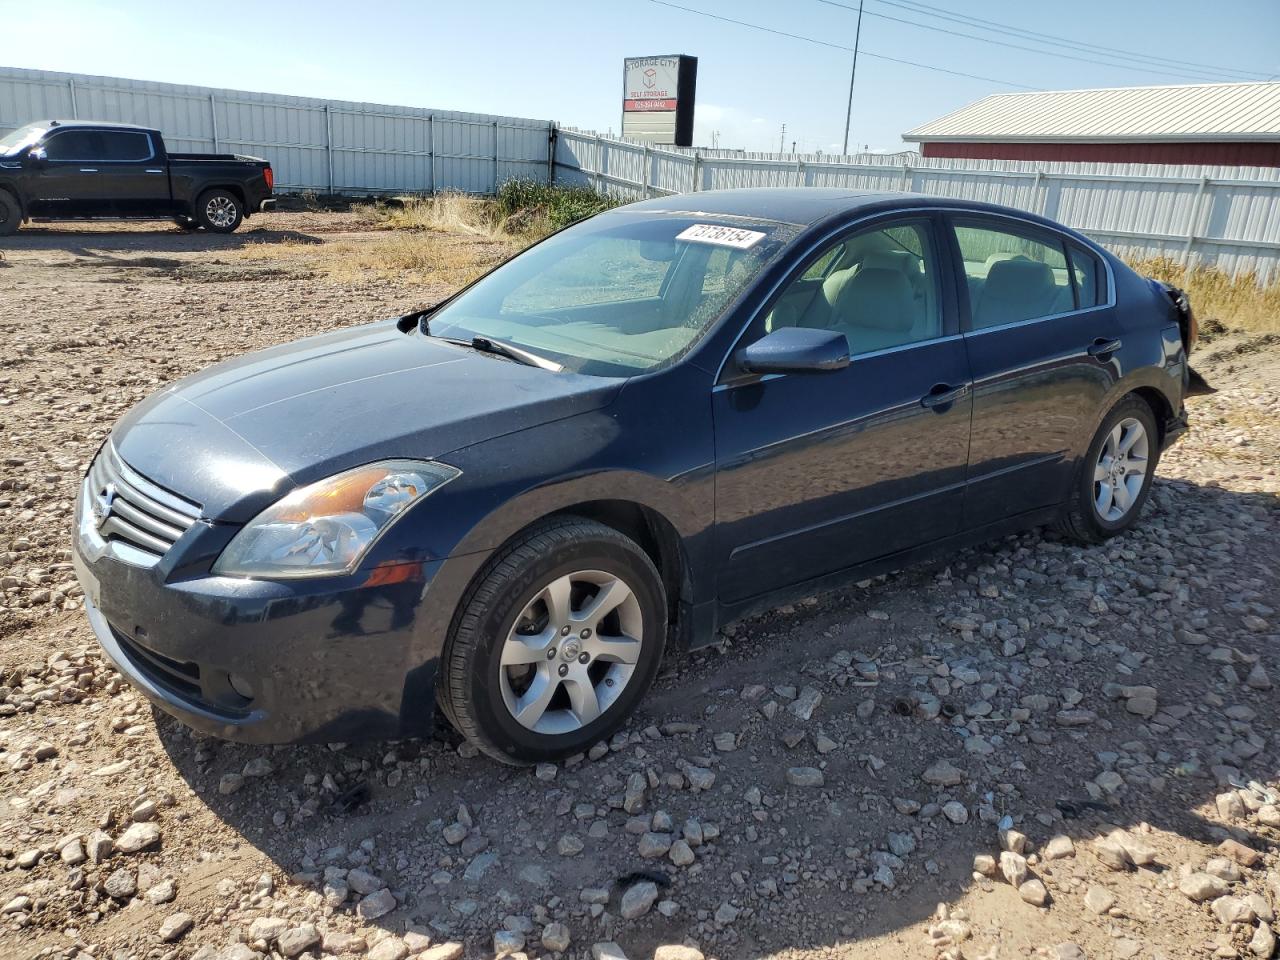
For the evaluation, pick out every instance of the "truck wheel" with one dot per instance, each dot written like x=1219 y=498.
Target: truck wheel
x=218 y=211
x=10 y=215
x=556 y=643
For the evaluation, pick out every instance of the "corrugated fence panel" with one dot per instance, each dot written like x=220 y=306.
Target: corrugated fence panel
x=1228 y=217
x=1225 y=216
x=312 y=144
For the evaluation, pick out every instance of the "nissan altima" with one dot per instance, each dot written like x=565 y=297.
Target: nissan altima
x=515 y=503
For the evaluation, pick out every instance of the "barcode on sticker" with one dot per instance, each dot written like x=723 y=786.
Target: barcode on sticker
x=721 y=236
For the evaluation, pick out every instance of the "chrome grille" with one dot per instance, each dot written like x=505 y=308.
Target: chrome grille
x=128 y=508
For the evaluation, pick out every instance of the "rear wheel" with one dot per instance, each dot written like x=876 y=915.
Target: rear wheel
x=10 y=215
x=219 y=211
x=1114 y=478
x=556 y=644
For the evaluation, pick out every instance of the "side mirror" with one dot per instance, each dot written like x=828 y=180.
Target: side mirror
x=37 y=156
x=795 y=350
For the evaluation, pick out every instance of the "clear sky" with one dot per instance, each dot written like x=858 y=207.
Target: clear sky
x=563 y=60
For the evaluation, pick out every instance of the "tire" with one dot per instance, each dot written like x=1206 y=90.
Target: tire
x=10 y=214
x=511 y=611
x=219 y=211
x=1094 y=514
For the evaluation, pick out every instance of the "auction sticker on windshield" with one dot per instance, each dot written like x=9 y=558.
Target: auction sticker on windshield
x=721 y=236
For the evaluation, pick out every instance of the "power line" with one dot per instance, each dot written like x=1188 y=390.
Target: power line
x=1138 y=68
x=838 y=46
x=1023 y=33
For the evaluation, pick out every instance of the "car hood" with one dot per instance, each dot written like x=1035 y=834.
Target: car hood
x=237 y=436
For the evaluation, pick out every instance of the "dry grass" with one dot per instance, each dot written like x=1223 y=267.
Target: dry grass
x=450 y=239
x=1240 y=303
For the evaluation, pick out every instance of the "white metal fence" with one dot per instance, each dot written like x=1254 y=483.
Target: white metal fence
x=1225 y=216
x=1228 y=217
x=330 y=146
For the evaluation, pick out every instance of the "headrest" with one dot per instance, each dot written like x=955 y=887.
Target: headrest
x=877 y=299
x=1024 y=280
x=891 y=260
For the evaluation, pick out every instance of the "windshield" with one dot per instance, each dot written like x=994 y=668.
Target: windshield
x=620 y=294
x=15 y=140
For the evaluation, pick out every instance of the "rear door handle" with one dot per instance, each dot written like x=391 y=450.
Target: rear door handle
x=943 y=395
x=1103 y=347
x=155 y=171
x=88 y=169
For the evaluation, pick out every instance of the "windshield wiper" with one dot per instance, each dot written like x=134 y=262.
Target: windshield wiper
x=499 y=348
x=504 y=349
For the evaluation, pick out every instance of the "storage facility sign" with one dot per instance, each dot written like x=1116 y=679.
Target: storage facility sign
x=651 y=84
x=657 y=99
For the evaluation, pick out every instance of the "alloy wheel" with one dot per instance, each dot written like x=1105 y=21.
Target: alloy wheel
x=571 y=652
x=1121 y=470
x=220 y=211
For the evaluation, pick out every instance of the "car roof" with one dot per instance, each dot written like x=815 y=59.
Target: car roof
x=807 y=206
x=95 y=124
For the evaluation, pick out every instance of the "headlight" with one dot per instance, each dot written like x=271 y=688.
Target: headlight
x=327 y=528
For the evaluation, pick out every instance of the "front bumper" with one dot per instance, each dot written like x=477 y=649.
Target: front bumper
x=351 y=658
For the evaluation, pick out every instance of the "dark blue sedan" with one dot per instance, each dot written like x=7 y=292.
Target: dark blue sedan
x=645 y=426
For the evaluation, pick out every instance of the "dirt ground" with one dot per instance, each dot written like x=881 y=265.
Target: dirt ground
x=1111 y=706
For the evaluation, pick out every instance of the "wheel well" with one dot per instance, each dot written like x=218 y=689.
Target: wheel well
x=1160 y=407
x=655 y=535
x=230 y=188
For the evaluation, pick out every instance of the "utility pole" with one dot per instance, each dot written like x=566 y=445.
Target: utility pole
x=782 y=140
x=853 y=72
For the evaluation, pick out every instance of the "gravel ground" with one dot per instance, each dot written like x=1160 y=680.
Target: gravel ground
x=1027 y=750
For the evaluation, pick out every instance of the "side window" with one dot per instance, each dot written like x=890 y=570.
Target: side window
x=74 y=145
x=1012 y=276
x=1090 y=278
x=125 y=146
x=877 y=286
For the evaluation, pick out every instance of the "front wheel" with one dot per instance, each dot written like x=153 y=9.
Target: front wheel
x=556 y=644
x=10 y=215
x=219 y=211
x=1114 y=477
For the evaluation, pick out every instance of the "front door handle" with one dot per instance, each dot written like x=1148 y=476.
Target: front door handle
x=1102 y=347
x=943 y=395
x=88 y=169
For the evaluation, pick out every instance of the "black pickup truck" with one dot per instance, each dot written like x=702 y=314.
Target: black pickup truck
x=82 y=170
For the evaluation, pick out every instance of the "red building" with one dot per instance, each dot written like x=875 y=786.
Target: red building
x=1204 y=123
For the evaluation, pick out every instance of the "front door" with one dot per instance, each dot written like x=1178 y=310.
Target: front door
x=1041 y=337
x=820 y=471
x=68 y=182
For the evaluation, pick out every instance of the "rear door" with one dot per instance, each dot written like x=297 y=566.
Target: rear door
x=1041 y=331
x=134 y=180
x=816 y=472
x=69 y=181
